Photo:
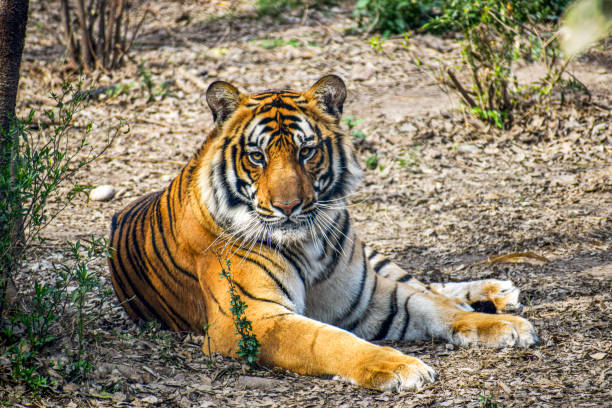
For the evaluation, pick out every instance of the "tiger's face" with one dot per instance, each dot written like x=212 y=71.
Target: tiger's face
x=282 y=167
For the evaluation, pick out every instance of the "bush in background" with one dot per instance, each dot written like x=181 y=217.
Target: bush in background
x=494 y=36
x=398 y=16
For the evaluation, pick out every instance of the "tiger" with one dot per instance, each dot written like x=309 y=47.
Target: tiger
x=267 y=192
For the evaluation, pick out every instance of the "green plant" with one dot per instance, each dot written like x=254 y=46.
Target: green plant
x=86 y=282
x=278 y=7
x=398 y=16
x=496 y=34
x=118 y=89
x=248 y=345
x=395 y=16
x=55 y=310
x=372 y=161
x=149 y=86
x=36 y=160
x=410 y=159
x=487 y=401
x=33 y=167
x=210 y=362
x=351 y=122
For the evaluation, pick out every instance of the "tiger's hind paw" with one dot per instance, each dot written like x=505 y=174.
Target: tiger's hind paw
x=486 y=296
x=499 y=330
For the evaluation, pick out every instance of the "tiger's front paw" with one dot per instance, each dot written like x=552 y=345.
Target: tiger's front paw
x=499 y=330
x=387 y=369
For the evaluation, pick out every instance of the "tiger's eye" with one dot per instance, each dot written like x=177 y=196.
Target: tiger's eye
x=256 y=157
x=306 y=152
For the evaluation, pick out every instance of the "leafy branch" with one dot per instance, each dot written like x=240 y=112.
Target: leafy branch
x=248 y=345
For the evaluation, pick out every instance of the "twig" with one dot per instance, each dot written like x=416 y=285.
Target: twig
x=460 y=88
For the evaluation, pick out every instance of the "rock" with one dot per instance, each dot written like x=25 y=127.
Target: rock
x=257 y=382
x=408 y=128
x=70 y=388
x=572 y=123
x=149 y=399
x=102 y=193
x=118 y=397
x=362 y=72
x=467 y=149
x=599 y=128
x=564 y=180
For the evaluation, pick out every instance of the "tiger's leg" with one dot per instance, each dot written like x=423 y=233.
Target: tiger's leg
x=389 y=309
x=489 y=295
x=304 y=345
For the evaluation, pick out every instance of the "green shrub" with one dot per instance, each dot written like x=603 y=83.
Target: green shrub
x=398 y=16
x=36 y=160
x=33 y=166
x=495 y=35
x=278 y=7
x=57 y=309
x=395 y=16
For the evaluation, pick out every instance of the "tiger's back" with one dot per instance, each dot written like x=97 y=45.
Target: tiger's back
x=149 y=270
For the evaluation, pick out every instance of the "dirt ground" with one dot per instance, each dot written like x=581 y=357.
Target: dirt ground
x=446 y=194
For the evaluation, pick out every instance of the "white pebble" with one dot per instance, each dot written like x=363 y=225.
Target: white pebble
x=102 y=193
x=467 y=149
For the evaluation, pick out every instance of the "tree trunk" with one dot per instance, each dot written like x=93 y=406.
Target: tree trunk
x=13 y=19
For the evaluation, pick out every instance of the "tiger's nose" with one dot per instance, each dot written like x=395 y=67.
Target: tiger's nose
x=287 y=208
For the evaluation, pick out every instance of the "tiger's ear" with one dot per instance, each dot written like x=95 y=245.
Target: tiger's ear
x=330 y=93
x=223 y=99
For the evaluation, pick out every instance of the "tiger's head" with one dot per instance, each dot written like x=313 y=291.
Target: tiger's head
x=280 y=166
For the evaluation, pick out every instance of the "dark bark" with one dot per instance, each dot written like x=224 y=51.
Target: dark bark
x=13 y=19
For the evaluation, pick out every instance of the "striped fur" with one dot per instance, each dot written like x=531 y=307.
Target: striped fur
x=268 y=190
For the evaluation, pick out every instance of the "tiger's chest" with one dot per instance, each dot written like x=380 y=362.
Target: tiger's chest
x=329 y=273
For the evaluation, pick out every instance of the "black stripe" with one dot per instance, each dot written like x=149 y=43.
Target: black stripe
x=362 y=281
x=405 y=278
x=265 y=121
x=124 y=277
x=129 y=213
x=263 y=96
x=212 y=296
x=383 y=331
x=407 y=320
x=291 y=258
x=271 y=275
x=292 y=118
x=279 y=103
x=351 y=326
x=143 y=258
x=332 y=264
x=231 y=198
x=372 y=255
x=170 y=210
x=136 y=263
x=160 y=226
x=381 y=264
x=250 y=296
